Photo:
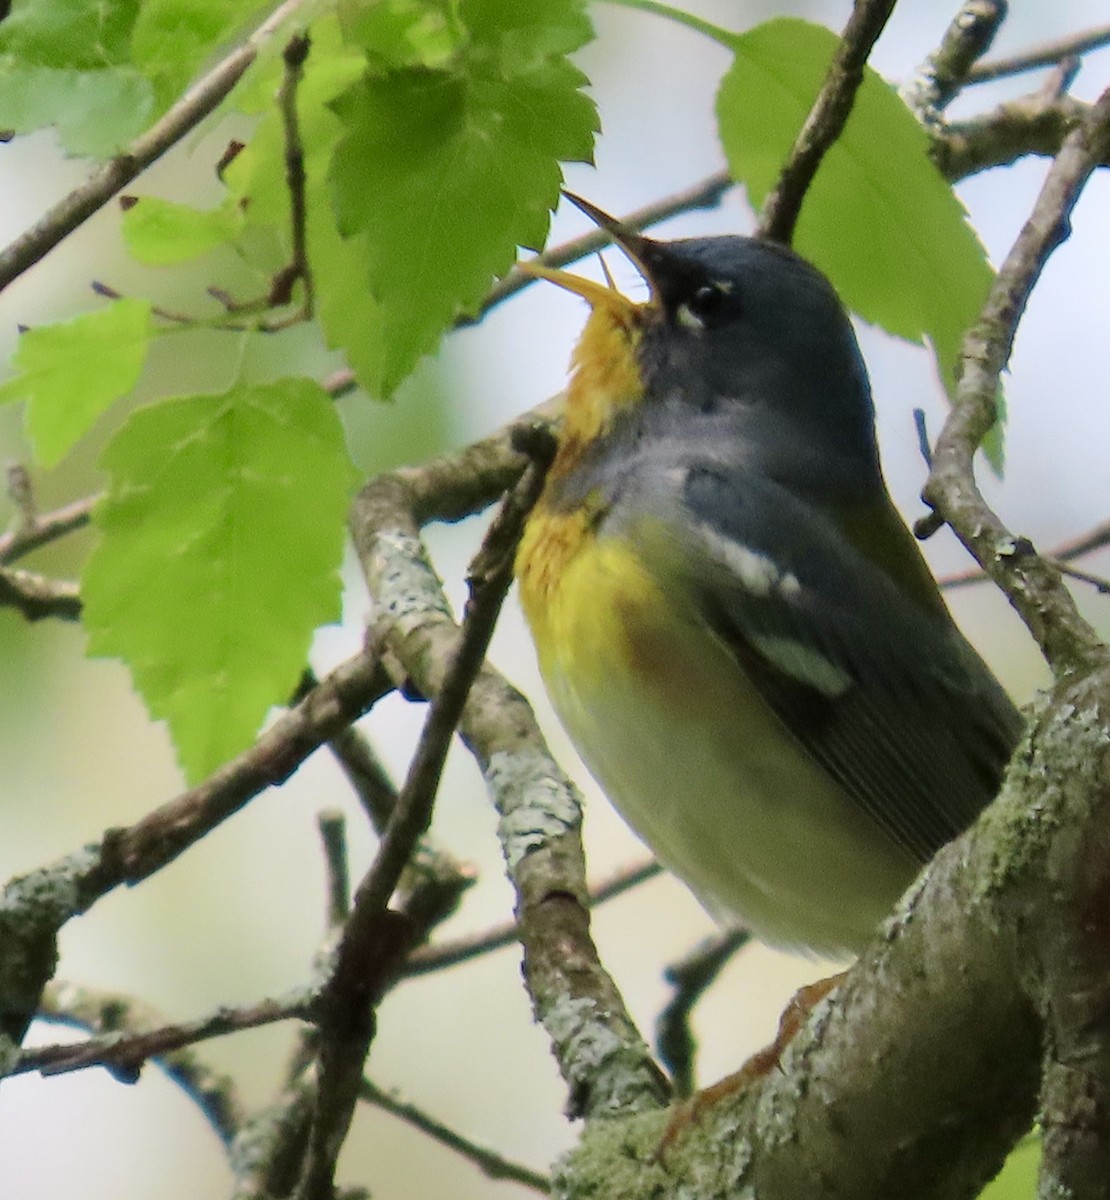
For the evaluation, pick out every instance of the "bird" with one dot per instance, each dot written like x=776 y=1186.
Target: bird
x=733 y=622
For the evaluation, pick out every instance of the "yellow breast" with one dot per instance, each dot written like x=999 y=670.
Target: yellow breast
x=584 y=597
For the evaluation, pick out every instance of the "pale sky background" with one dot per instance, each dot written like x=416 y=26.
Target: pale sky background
x=239 y=916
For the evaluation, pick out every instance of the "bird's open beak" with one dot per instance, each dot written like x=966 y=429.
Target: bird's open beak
x=638 y=249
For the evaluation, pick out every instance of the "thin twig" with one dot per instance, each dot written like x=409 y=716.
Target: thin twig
x=464 y=949
x=37 y=597
x=159 y=837
x=1033 y=586
x=691 y=977
x=125 y=1052
x=1099 y=582
x=201 y=99
x=280 y=292
x=333 y=835
x=434 y=880
x=1045 y=54
x=47 y=527
x=941 y=76
x=366 y=774
x=112 y=1012
x=294 y=56
x=489 y=1162
x=826 y=119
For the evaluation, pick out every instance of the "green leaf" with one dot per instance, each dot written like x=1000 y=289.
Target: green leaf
x=880 y=219
x=68 y=65
x=172 y=39
x=222 y=541
x=71 y=372
x=403 y=33
x=440 y=174
x=96 y=113
x=159 y=232
x=87 y=34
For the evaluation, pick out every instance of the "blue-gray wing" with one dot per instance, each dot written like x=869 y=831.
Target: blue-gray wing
x=884 y=693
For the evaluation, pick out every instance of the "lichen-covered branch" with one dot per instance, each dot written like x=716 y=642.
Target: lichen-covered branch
x=602 y=1057
x=941 y=76
x=34 y=907
x=372 y=944
x=1033 y=586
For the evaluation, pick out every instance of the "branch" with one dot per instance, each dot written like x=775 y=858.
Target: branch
x=341 y=697
x=1046 y=54
x=45 y=528
x=280 y=292
x=113 y=1013
x=826 y=119
x=186 y=114
x=690 y=978
x=489 y=1162
x=1033 y=586
x=1034 y=124
x=602 y=1057
x=37 y=597
x=1065 y=552
x=299 y=268
x=464 y=949
x=371 y=947
x=266 y=1154
x=332 y=824
x=35 y=906
x=124 y=1053
x=434 y=880
x=941 y=76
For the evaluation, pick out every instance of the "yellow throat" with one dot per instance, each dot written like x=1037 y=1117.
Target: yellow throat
x=605 y=378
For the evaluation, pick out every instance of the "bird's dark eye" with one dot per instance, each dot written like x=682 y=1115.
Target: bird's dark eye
x=707 y=300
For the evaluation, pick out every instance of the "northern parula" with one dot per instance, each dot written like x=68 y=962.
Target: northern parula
x=734 y=624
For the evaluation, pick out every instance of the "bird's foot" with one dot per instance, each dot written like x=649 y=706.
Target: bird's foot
x=762 y=1063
